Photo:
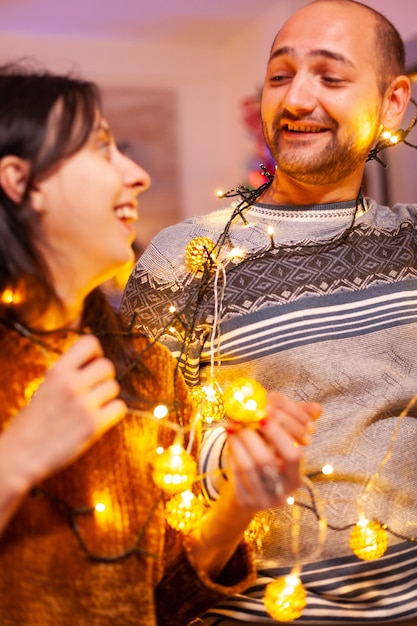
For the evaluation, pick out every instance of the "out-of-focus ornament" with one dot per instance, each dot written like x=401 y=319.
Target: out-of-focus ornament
x=285 y=598
x=259 y=528
x=11 y=297
x=174 y=470
x=368 y=540
x=245 y=400
x=184 y=511
x=208 y=401
x=198 y=251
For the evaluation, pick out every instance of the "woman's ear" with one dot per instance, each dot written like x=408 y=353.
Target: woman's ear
x=14 y=175
x=397 y=98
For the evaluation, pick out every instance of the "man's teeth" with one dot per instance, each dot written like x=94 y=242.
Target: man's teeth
x=304 y=129
x=126 y=213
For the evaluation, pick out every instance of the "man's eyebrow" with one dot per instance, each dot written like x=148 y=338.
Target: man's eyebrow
x=320 y=52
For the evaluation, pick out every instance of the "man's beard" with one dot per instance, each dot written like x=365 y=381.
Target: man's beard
x=331 y=165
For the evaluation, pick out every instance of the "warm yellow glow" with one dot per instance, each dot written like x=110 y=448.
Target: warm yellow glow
x=197 y=252
x=208 y=401
x=285 y=598
x=270 y=230
x=236 y=253
x=219 y=193
x=10 y=296
x=393 y=139
x=368 y=540
x=327 y=469
x=290 y=500
x=259 y=527
x=160 y=411
x=172 y=309
x=386 y=134
x=184 y=511
x=174 y=470
x=7 y=296
x=245 y=400
x=107 y=516
x=31 y=388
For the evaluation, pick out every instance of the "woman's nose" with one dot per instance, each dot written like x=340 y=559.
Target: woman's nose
x=135 y=176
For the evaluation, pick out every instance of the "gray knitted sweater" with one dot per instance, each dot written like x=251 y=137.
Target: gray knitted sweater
x=323 y=312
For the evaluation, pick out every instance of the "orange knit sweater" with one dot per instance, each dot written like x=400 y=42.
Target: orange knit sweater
x=47 y=578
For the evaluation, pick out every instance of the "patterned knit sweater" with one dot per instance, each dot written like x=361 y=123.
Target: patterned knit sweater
x=52 y=570
x=320 y=312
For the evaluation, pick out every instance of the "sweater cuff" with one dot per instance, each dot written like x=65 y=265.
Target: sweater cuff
x=186 y=592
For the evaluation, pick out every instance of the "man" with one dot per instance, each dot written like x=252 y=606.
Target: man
x=311 y=289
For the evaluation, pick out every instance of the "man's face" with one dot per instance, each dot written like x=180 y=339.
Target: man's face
x=321 y=106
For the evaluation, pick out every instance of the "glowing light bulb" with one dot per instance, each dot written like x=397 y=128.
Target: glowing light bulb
x=208 y=400
x=172 y=309
x=160 y=411
x=219 y=193
x=327 y=469
x=184 y=511
x=393 y=139
x=108 y=516
x=174 y=470
x=10 y=296
x=7 y=296
x=386 y=134
x=368 y=540
x=285 y=598
x=198 y=252
x=245 y=400
x=236 y=253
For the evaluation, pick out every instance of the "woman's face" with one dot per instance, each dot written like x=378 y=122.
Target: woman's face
x=88 y=207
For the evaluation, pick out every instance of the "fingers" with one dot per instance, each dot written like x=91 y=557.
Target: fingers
x=297 y=418
x=76 y=403
x=264 y=475
x=265 y=461
x=84 y=350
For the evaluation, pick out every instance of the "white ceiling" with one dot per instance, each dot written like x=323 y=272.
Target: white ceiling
x=208 y=22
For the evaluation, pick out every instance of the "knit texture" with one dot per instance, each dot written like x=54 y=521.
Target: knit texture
x=45 y=576
x=323 y=317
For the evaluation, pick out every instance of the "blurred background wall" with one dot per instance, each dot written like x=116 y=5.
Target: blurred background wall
x=187 y=66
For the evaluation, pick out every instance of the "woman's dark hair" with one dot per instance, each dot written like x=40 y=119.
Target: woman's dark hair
x=44 y=118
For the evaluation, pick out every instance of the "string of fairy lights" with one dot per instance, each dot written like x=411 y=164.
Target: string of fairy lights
x=243 y=401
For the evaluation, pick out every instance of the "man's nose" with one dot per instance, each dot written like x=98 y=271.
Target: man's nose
x=300 y=96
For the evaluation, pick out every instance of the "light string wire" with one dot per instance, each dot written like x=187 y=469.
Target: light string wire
x=248 y=197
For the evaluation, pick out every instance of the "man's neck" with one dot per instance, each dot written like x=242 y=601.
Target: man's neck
x=286 y=191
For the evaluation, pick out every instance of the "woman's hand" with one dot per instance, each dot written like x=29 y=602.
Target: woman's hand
x=72 y=407
x=264 y=466
x=265 y=463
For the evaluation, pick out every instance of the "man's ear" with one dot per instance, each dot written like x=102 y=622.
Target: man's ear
x=397 y=98
x=14 y=174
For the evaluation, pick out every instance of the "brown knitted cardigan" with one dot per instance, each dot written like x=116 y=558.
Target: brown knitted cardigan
x=46 y=576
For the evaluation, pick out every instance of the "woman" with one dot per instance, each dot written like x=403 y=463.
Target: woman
x=84 y=538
